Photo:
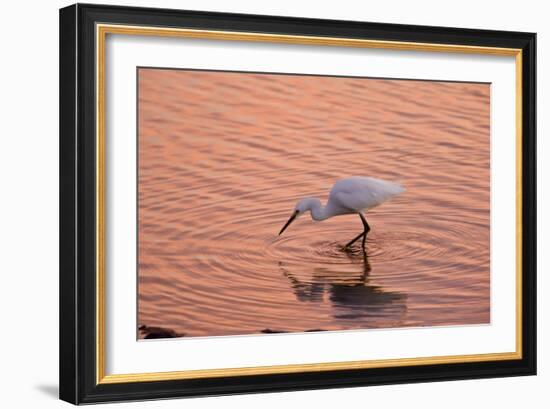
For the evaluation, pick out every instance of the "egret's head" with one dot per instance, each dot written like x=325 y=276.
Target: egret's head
x=305 y=204
x=301 y=207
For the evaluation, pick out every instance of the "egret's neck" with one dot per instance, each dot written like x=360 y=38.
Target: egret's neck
x=318 y=212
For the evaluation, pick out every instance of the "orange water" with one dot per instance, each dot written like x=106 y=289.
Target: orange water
x=223 y=158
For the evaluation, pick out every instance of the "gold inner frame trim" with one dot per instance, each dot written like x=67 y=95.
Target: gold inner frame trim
x=101 y=33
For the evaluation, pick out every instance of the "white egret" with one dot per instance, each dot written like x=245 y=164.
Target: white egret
x=353 y=195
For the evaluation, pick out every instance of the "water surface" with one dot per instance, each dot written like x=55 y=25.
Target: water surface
x=223 y=158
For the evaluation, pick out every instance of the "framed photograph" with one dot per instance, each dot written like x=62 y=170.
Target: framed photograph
x=257 y=203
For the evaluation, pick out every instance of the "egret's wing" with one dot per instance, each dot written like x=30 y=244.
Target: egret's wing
x=356 y=201
x=363 y=193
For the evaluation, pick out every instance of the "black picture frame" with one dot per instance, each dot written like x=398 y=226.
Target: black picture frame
x=78 y=360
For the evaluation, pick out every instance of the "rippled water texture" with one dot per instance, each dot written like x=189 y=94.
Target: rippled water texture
x=223 y=157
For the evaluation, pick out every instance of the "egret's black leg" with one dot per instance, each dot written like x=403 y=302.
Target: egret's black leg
x=355 y=239
x=366 y=226
x=366 y=229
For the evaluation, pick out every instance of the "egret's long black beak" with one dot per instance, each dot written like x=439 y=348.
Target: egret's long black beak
x=289 y=221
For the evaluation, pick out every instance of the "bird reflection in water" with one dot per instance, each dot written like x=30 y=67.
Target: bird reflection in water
x=354 y=300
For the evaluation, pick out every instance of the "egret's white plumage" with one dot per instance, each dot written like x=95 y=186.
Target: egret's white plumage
x=348 y=196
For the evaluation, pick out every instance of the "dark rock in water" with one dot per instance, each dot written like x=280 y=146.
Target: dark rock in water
x=272 y=331
x=158 y=332
x=276 y=331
